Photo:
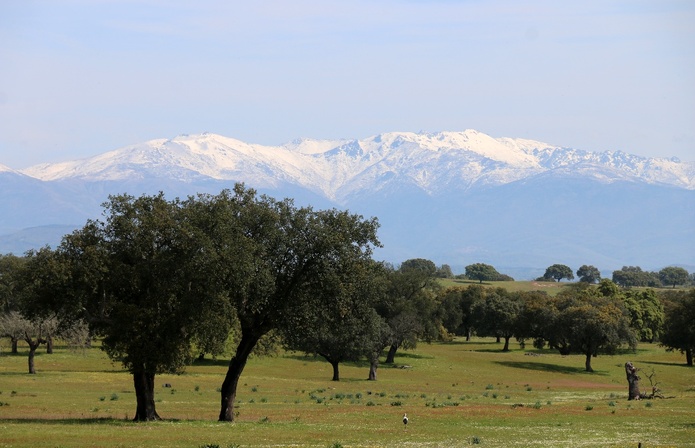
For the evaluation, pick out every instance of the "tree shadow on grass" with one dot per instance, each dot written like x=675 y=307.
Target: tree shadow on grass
x=661 y=363
x=211 y=362
x=471 y=282
x=545 y=367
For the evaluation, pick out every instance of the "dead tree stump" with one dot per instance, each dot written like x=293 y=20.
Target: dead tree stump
x=632 y=381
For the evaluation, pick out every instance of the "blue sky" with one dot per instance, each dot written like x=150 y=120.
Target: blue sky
x=81 y=77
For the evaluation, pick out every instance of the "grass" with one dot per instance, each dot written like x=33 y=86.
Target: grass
x=455 y=394
x=552 y=288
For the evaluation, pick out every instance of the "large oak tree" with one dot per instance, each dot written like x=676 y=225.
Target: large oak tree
x=272 y=259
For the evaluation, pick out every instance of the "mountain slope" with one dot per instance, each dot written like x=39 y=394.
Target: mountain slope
x=453 y=197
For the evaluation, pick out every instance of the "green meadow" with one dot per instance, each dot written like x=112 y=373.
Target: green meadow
x=456 y=394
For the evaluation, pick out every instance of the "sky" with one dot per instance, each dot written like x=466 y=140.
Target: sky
x=82 y=77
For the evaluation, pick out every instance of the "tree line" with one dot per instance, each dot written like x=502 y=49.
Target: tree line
x=161 y=282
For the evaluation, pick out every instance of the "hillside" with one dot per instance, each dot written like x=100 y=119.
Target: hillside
x=452 y=197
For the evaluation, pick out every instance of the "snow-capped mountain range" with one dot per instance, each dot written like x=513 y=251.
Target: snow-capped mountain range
x=418 y=185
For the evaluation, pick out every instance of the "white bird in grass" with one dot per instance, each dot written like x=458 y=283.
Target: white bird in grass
x=405 y=420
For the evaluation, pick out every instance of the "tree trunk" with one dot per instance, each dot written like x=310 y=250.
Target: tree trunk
x=32 y=351
x=506 y=344
x=689 y=357
x=391 y=356
x=587 y=363
x=49 y=345
x=373 y=365
x=632 y=381
x=231 y=380
x=33 y=345
x=14 y=345
x=468 y=335
x=144 y=394
x=336 y=370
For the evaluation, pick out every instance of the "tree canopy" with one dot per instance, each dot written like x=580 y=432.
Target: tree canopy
x=482 y=272
x=558 y=272
x=588 y=274
x=673 y=276
x=679 y=324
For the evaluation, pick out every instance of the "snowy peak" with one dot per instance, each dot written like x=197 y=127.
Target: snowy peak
x=336 y=169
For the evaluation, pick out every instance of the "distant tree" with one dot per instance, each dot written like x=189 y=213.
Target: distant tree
x=445 y=271
x=588 y=274
x=632 y=276
x=451 y=309
x=536 y=312
x=482 y=272
x=497 y=315
x=344 y=331
x=33 y=332
x=673 y=275
x=10 y=266
x=558 y=272
x=586 y=322
x=679 y=331
x=10 y=289
x=409 y=305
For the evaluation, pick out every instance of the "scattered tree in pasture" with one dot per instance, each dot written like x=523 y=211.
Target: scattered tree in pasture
x=482 y=272
x=346 y=327
x=631 y=276
x=646 y=312
x=10 y=266
x=451 y=309
x=497 y=315
x=444 y=271
x=34 y=332
x=558 y=272
x=409 y=305
x=141 y=277
x=673 y=276
x=456 y=305
x=271 y=259
x=536 y=311
x=10 y=290
x=586 y=322
x=679 y=324
x=588 y=274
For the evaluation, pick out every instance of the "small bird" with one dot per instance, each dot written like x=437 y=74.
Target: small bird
x=405 y=420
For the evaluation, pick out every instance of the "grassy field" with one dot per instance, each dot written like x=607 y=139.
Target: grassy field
x=456 y=394
x=551 y=288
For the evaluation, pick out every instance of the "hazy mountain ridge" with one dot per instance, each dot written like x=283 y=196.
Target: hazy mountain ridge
x=453 y=197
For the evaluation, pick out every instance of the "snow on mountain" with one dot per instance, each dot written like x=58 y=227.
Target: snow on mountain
x=452 y=197
x=434 y=162
x=6 y=169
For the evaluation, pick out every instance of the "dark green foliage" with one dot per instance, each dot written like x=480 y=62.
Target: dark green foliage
x=673 y=276
x=646 y=312
x=558 y=272
x=409 y=306
x=272 y=261
x=445 y=271
x=588 y=274
x=679 y=324
x=582 y=320
x=630 y=276
x=497 y=315
x=482 y=272
x=345 y=330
